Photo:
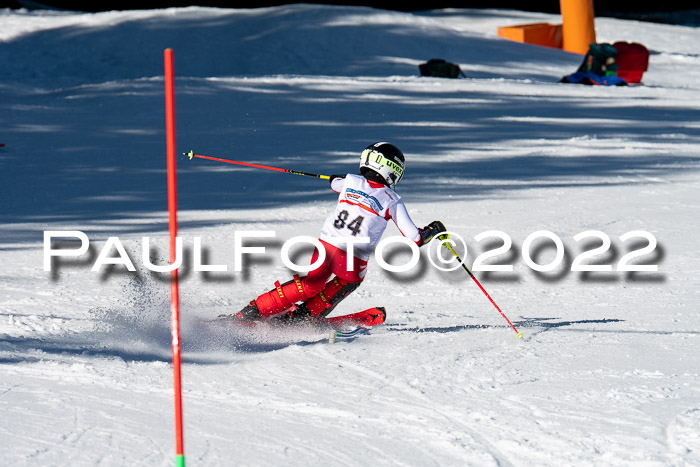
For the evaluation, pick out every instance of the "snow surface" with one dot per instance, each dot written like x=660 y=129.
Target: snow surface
x=608 y=372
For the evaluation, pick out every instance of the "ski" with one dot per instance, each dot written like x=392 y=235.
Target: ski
x=335 y=334
x=338 y=328
x=364 y=319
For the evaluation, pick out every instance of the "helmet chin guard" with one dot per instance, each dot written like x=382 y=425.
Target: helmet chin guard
x=386 y=160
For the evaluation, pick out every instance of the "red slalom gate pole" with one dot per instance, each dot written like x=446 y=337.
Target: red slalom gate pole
x=172 y=227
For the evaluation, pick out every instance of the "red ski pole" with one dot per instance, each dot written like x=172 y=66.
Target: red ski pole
x=191 y=154
x=519 y=335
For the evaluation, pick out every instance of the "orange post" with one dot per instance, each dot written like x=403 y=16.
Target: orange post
x=578 y=28
x=172 y=226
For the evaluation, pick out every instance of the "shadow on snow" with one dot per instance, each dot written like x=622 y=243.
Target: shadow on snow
x=88 y=154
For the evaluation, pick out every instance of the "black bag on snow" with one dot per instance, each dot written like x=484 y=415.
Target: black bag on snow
x=440 y=68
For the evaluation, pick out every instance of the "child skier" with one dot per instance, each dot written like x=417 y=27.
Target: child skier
x=365 y=203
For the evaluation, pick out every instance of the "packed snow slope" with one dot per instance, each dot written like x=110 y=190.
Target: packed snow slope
x=608 y=371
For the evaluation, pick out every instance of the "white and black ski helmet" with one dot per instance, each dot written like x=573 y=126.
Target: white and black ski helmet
x=385 y=160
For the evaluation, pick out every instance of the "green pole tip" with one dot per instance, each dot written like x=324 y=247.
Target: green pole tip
x=180 y=460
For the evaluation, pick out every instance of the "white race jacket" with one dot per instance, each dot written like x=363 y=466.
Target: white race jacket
x=363 y=209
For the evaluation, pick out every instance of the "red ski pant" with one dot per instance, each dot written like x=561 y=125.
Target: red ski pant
x=315 y=285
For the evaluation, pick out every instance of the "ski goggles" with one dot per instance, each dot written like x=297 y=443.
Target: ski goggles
x=370 y=155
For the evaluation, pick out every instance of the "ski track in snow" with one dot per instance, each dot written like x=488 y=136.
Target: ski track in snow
x=607 y=373
x=419 y=406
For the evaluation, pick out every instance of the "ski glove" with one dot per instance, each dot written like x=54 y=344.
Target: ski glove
x=431 y=230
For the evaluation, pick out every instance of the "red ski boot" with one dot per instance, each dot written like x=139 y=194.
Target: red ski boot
x=249 y=314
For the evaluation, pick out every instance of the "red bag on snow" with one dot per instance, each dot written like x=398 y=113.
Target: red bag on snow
x=632 y=61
